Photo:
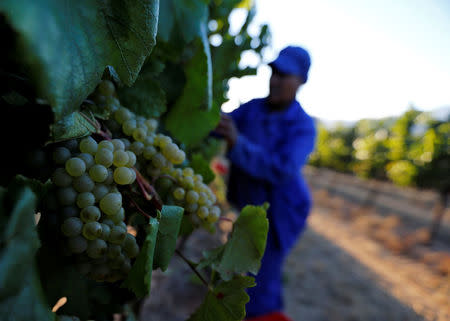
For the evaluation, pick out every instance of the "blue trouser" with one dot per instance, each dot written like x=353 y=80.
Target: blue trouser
x=266 y=296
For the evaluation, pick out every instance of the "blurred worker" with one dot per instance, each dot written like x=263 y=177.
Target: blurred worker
x=269 y=140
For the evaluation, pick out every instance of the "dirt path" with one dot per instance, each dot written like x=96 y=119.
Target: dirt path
x=336 y=273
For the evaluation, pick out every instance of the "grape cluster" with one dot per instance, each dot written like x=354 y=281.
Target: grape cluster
x=158 y=155
x=91 y=205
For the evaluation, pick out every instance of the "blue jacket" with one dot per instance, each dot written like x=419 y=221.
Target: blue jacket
x=266 y=161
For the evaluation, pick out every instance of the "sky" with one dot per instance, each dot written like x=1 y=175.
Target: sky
x=370 y=59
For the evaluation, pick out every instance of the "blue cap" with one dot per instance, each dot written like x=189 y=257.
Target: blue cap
x=293 y=61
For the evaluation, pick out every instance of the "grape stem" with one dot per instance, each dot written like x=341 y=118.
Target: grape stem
x=193 y=269
x=140 y=210
x=223 y=218
x=148 y=191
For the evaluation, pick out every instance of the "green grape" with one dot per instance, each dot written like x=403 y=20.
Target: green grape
x=117 y=235
x=88 y=145
x=202 y=198
x=131 y=159
x=104 y=157
x=149 y=140
x=106 y=230
x=126 y=142
x=118 y=144
x=88 y=159
x=111 y=203
x=170 y=150
x=98 y=173
x=122 y=115
x=214 y=211
x=212 y=218
x=126 y=266
x=137 y=148
x=123 y=175
x=90 y=214
x=122 y=224
x=72 y=226
x=158 y=160
x=191 y=207
x=75 y=166
x=71 y=145
x=85 y=199
x=117 y=261
x=121 y=158
x=187 y=182
x=139 y=134
x=106 y=88
x=202 y=212
x=178 y=193
x=179 y=157
x=69 y=211
x=99 y=272
x=114 y=251
x=188 y=172
x=99 y=191
x=152 y=124
x=192 y=196
x=152 y=172
x=129 y=126
x=61 y=155
x=106 y=144
x=198 y=178
x=77 y=244
x=92 y=230
x=83 y=183
x=66 y=196
x=113 y=103
x=108 y=222
x=110 y=178
x=149 y=152
x=60 y=178
x=130 y=246
x=96 y=248
x=162 y=140
x=119 y=216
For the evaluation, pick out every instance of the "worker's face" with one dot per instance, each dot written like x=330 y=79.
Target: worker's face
x=283 y=87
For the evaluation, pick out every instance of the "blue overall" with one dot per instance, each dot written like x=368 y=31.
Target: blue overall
x=266 y=161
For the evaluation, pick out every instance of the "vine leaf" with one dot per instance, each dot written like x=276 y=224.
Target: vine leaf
x=145 y=97
x=74 y=125
x=184 y=16
x=194 y=109
x=169 y=228
x=201 y=166
x=140 y=276
x=244 y=250
x=226 y=302
x=68 y=45
x=19 y=243
x=37 y=187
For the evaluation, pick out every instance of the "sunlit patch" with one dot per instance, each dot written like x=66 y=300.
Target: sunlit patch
x=131 y=230
x=37 y=217
x=59 y=304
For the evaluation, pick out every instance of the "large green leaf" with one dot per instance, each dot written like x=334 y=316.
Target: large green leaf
x=169 y=228
x=21 y=296
x=29 y=303
x=226 y=302
x=19 y=239
x=68 y=44
x=145 y=97
x=244 y=250
x=140 y=276
x=184 y=16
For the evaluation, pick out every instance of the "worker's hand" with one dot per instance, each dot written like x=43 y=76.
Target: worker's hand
x=228 y=130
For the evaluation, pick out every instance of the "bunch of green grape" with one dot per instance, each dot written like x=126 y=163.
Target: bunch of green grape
x=91 y=205
x=158 y=156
